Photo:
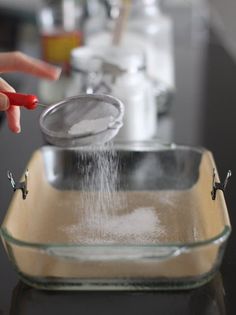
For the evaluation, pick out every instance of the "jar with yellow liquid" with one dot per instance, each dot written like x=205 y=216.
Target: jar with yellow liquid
x=61 y=29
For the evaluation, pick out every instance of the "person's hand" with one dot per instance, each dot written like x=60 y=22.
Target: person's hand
x=17 y=61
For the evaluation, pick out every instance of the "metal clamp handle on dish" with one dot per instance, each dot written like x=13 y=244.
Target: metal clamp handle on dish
x=21 y=185
x=218 y=185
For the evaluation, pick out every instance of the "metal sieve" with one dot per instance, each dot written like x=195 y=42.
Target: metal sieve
x=82 y=120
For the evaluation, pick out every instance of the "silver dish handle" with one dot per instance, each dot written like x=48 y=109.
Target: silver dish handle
x=21 y=185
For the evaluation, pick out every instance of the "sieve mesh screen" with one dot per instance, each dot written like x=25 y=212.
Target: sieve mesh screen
x=87 y=118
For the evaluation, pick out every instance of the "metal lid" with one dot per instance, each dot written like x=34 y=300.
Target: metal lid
x=127 y=59
x=85 y=59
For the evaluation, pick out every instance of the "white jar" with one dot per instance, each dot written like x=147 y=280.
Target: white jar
x=85 y=71
x=135 y=90
x=121 y=72
x=148 y=27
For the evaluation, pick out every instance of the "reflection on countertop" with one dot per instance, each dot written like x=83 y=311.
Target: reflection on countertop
x=206 y=300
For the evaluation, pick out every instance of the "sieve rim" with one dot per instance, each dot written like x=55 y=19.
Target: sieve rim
x=100 y=97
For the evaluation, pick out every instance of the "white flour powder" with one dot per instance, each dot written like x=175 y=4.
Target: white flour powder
x=140 y=226
x=91 y=126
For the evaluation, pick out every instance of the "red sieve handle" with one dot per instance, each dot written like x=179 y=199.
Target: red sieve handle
x=26 y=100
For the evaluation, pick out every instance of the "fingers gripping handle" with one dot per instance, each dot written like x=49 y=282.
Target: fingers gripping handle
x=26 y=100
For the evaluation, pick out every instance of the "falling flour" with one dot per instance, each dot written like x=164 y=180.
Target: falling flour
x=104 y=213
x=90 y=126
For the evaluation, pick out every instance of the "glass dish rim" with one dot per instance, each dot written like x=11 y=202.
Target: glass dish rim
x=133 y=146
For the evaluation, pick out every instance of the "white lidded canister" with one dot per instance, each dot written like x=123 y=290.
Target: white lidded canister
x=121 y=72
x=136 y=91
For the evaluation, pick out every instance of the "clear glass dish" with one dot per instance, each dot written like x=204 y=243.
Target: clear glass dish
x=169 y=235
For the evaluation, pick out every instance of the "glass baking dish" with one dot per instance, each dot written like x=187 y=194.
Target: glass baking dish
x=174 y=233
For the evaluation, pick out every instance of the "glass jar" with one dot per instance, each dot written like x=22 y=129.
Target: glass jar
x=86 y=72
x=96 y=17
x=133 y=87
x=121 y=72
x=148 y=21
x=61 y=29
x=148 y=27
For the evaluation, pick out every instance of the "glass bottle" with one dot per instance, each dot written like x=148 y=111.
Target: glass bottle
x=134 y=88
x=96 y=17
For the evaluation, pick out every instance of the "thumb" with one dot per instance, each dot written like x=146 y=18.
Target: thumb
x=4 y=102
